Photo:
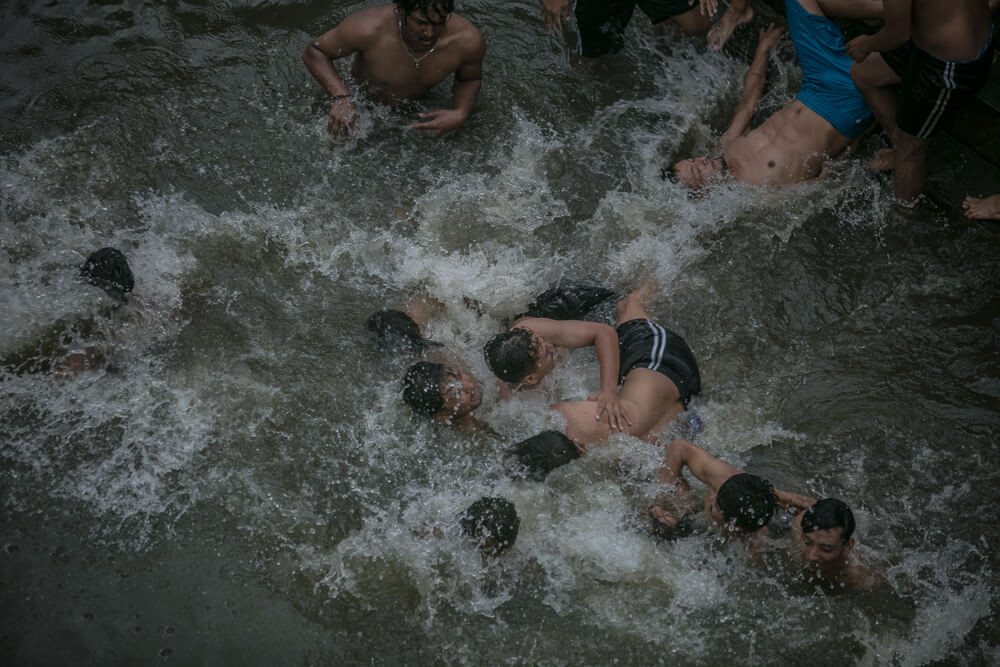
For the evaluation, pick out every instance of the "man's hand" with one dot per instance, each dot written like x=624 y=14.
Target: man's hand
x=608 y=402
x=343 y=120
x=708 y=7
x=769 y=37
x=553 y=11
x=440 y=121
x=858 y=48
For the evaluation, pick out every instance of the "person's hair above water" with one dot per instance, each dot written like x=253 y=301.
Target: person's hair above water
x=492 y=522
x=108 y=269
x=829 y=513
x=541 y=454
x=443 y=7
x=394 y=330
x=511 y=355
x=422 y=387
x=747 y=501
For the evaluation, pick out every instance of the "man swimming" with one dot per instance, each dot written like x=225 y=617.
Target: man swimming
x=739 y=504
x=941 y=53
x=401 y=51
x=823 y=533
x=658 y=376
x=820 y=124
x=443 y=393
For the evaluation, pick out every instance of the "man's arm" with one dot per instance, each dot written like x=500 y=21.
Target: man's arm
x=349 y=37
x=795 y=502
x=753 y=84
x=553 y=11
x=464 y=92
x=604 y=339
x=896 y=15
x=710 y=470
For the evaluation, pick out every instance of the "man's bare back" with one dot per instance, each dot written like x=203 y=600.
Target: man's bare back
x=398 y=57
x=953 y=30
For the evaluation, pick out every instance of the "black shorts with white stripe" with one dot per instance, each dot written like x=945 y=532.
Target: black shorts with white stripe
x=933 y=88
x=645 y=344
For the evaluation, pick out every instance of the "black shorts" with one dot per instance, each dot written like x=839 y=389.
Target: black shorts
x=645 y=344
x=602 y=23
x=933 y=88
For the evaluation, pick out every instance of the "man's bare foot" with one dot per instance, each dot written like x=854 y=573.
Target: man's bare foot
x=885 y=160
x=721 y=31
x=982 y=208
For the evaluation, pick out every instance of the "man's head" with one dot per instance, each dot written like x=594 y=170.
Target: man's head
x=394 y=330
x=421 y=22
x=108 y=269
x=440 y=391
x=519 y=356
x=663 y=524
x=493 y=523
x=746 y=502
x=541 y=454
x=827 y=527
x=697 y=172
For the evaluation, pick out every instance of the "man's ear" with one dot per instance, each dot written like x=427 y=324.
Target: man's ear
x=443 y=417
x=530 y=380
x=848 y=545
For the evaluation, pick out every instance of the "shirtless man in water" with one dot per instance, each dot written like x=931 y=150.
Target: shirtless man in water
x=941 y=53
x=659 y=372
x=401 y=51
x=827 y=115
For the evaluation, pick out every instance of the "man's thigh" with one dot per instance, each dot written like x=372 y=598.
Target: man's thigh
x=874 y=72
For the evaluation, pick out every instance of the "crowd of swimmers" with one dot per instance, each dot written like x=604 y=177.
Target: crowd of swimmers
x=648 y=376
x=908 y=77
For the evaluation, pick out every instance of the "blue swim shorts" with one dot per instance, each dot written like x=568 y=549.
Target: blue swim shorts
x=827 y=87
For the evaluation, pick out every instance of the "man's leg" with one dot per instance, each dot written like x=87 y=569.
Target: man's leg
x=633 y=305
x=876 y=82
x=910 y=155
x=739 y=12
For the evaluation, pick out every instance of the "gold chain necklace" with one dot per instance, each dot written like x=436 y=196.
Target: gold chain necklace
x=416 y=61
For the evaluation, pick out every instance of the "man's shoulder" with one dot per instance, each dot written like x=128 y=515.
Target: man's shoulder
x=370 y=21
x=466 y=35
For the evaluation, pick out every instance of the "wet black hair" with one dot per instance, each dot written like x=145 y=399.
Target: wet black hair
x=108 y=269
x=541 y=454
x=664 y=532
x=444 y=7
x=492 y=522
x=394 y=330
x=670 y=174
x=511 y=355
x=422 y=387
x=747 y=501
x=829 y=513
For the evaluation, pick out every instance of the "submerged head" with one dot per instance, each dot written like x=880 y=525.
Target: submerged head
x=827 y=528
x=108 y=269
x=493 y=523
x=541 y=454
x=520 y=356
x=663 y=525
x=394 y=330
x=421 y=22
x=440 y=391
x=697 y=172
x=746 y=502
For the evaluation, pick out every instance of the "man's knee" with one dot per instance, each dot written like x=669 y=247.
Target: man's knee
x=908 y=147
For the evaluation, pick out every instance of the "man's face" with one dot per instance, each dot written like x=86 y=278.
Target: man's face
x=824 y=550
x=699 y=171
x=461 y=395
x=548 y=358
x=421 y=30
